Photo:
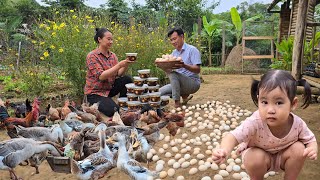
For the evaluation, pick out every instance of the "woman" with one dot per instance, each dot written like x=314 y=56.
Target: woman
x=105 y=75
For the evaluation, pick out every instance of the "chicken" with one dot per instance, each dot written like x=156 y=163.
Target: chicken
x=129 y=118
x=152 y=128
x=20 y=110
x=53 y=113
x=173 y=128
x=65 y=110
x=36 y=159
x=28 y=121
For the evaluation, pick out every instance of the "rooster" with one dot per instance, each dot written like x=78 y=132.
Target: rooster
x=29 y=120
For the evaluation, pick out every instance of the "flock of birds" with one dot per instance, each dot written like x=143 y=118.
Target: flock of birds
x=95 y=143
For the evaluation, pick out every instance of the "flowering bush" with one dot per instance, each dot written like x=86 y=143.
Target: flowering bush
x=65 y=42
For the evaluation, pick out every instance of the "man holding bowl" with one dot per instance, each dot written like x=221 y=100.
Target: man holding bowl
x=184 y=76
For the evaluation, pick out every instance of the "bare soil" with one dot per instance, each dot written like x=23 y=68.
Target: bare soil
x=216 y=87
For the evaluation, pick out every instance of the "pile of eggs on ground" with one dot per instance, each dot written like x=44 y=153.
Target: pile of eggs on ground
x=189 y=153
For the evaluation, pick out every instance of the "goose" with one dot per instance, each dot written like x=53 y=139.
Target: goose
x=140 y=149
x=96 y=165
x=54 y=134
x=18 y=150
x=128 y=165
x=36 y=159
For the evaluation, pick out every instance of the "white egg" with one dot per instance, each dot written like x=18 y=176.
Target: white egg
x=149 y=155
x=193 y=130
x=171 y=162
x=183 y=151
x=161 y=136
x=176 y=165
x=266 y=175
x=236 y=168
x=223 y=166
x=187 y=156
x=201 y=162
x=155 y=158
x=188 y=125
x=194 y=123
x=163 y=174
x=180 y=178
x=184 y=107
x=208 y=152
x=181 y=160
x=243 y=174
x=236 y=176
x=167 y=155
x=177 y=156
x=185 y=164
x=173 y=111
x=229 y=168
x=167 y=138
x=171 y=172
x=160 y=161
x=223 y=173
x=159 y=167
x=200 y=156
x=209 y=160
x=203 y=167
x=178 y=109
x=153 y=151
x=206 y=178
x=193 y=171
x=193 y=161
x=187 y=141
x=214 y=166
x=217 y=177
x=161 y=150
x=184 y=136
x=272 y=173
x=165 y=146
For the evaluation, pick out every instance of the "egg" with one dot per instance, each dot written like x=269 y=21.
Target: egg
x=236 y=168
x=180 y=178
x=183 y=151
x=200 y=156
x=266 y=175
x=171 y=162
x=272 y=173
x=203 y=167
x=223 y=166
x=229 y=168
x=155 y=158
x=149 y=155
x=201 y=162
x=206 y=178
x=163 y=174
x=185 y=164
x=214 y=166
x=177 y=156
x=167 y=138
x=176 y=165
x=167 y=155
x=175 y=149
x=188 y=125
x=236 y=176
x=237 y=160
x=159 y=167
x=171 y=172
x=217 y=177
x=187 y=156
x=193 y=171
x=161 y=136
x=184 y=136
x=223 y=173
x=193 y=161
x=208 y=152
x=184 y=107
x=165 y=146
x=161 y=150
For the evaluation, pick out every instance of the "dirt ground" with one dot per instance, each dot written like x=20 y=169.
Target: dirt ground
x=234 y=88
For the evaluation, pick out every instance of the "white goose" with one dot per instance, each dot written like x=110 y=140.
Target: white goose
x=96 y=165
x=15 y=151
x=128 y=165
x=53 y=134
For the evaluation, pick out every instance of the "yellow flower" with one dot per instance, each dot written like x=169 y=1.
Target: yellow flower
x=46 y=54
x=92 y=27
x=74 y=16
x=55 y=27
x=61 y=50
x=41 y=25
x=57 y=12
x=86 y=45
x=88 y=17
x=112 y=22
x=11 y=65
x=53 y=33
x=41 y=43
x=77 y=30
x=17 y=54
x=72 y=10
x=42 y=58
x=48 y=28
x=33 y=41
x=62 y=25
x=90 y=20
x=52 y=47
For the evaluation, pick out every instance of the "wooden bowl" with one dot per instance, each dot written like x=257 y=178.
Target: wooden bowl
x=167 y=64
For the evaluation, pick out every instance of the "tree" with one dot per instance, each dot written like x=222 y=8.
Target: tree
x=119 y=11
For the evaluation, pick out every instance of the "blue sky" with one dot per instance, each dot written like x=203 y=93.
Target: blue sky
x=225 y=5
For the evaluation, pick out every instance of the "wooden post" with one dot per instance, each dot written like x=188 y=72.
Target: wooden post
x=223 y=51
x=243 y=43
x=299 y=38
x=19 y=53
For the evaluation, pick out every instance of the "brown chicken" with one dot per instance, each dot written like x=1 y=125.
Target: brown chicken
x=173 y=128
x=29 y=120
x=77 y=142
x=53 y=113
x=85 y=117
x=65 y=110
x=152 y=128
x=129 y=118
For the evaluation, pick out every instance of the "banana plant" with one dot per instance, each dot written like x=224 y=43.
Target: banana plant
x=212 y=29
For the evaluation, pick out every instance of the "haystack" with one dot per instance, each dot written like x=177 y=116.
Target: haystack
x=235 y=56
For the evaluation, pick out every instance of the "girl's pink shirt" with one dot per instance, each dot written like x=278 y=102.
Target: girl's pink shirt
x=253 y=132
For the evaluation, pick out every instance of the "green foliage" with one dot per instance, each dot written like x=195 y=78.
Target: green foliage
x=65 y=43
x=308 y=46
x=285 y=48
x=236 y=20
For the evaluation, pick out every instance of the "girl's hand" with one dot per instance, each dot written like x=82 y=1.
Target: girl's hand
x=125 y=63
x=311 y=152
x=219 y=155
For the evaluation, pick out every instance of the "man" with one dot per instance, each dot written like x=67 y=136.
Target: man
x=184 y=76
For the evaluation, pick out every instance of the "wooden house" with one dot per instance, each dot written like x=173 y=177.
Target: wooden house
x=297 y=20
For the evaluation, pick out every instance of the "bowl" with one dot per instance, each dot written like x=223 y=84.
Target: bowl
x=155 y=97
x=132 y=56
x=153 y=89
x=144 y=73
x=152 y=81
x=122 y=101
x=155 y=104
x=145 y=98
x=130 y=87
x=132 y=97
x=138 y=81
x=164 y=100
x=134 y=105
x=167 y=64
x=139 y=90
